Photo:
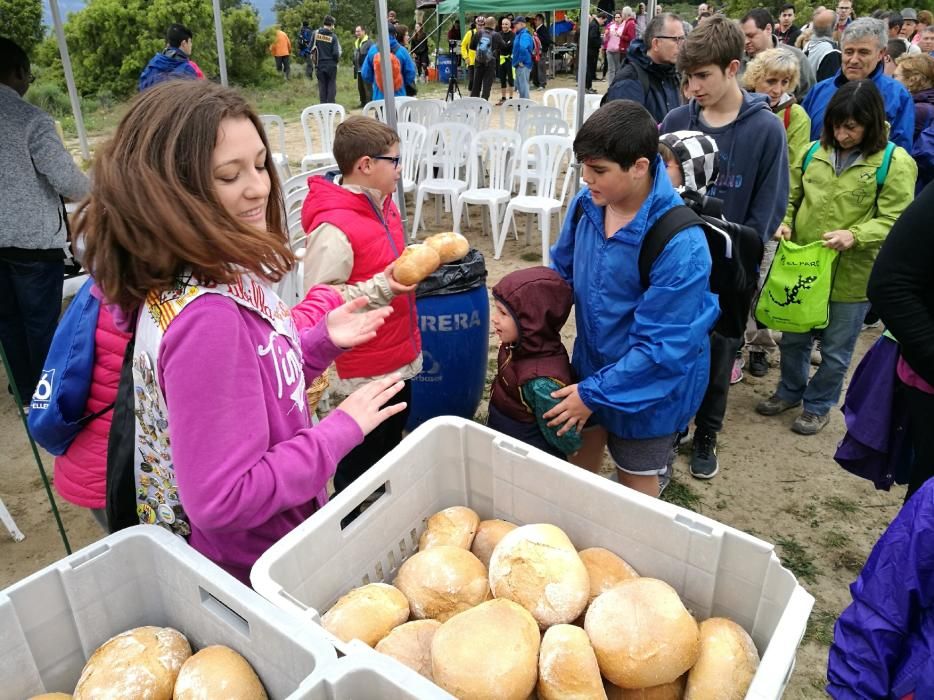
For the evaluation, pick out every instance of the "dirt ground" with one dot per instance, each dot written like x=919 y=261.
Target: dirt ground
x=773 y=484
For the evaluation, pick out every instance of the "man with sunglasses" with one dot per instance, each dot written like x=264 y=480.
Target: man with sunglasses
x=648 y=74
x=35 y=173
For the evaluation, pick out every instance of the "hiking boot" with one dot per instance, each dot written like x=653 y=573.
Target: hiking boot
x=736 y=374
x=774 y=405
x=704 y=464
x=810 y=423
x=758 y=364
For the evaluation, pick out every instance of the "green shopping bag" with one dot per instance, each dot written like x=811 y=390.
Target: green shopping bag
x=796 y=293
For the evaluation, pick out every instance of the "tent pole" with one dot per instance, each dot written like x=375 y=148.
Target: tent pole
x=650 y=10
x=389 y=97
x=584 y=27
x=219 y=34
x=70 y=79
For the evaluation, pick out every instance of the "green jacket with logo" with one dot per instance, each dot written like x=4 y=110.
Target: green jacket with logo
x=820 y=201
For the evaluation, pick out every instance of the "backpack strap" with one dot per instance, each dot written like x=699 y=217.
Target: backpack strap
x=643 y=77
x=809 y=155
x=663 y=230
x=883 y=170
x=787 y=117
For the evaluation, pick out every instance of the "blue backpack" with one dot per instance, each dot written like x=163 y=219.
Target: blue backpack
x=57 y=410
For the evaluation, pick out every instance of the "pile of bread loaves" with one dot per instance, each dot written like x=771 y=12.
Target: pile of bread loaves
x=489 y=610
x=156 y=663
x=421 y=259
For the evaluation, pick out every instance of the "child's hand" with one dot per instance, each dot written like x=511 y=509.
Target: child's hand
x=839 y=240
x=364 y=404
x=397 y=287
x=572 y=412
x=348 y=326
x=783 y=232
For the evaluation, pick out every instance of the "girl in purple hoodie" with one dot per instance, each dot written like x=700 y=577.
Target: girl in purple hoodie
x=184 y=232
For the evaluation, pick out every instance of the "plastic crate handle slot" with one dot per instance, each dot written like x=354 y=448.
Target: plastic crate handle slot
x=691 y=524
x=513 y=447
x=381 y=492
x=223 y=612
x=78 y=560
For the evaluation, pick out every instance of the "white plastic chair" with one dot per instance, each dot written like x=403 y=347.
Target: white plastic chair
x=552 y=156
x=514 y=106
x=274 y=127
x=376 y=109
x=534 y=112
x=495 y=151
x=591 y=105
x=446 y=159
x=412 y=149
x=470 y=110
x=424 y=112
x=325 y=118
x=545 y=126
x=562 y=98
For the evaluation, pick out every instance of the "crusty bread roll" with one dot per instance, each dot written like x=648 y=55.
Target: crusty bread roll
x=668 y=691
x=455 y=526
x=450 y=246
x=489 y=652
x=728 y=661
x=489 y=533
x=415 y=264
x=410 y=644
x=51 y=696
x=141 y=662
x=442 y=581
x=605 y=570
x=218 y=672
x=642 y=633
x=367 y=613
x=567 y=666
x=537 y=567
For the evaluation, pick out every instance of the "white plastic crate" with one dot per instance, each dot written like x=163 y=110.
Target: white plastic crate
x=367 y=674
x=52 y=621
x=717 y=570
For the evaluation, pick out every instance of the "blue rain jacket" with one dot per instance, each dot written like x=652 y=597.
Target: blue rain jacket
x=643 y=356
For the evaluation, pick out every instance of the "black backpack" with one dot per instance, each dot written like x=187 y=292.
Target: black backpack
x=121 y=448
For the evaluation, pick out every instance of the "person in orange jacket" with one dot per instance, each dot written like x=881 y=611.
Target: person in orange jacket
x=281 y=49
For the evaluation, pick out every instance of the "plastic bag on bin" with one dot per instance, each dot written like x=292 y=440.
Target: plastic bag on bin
x=459 y=276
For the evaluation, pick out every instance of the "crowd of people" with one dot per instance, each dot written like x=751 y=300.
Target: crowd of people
x=731 y=118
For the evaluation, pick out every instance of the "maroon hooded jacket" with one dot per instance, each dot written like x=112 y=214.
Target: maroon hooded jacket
x=540 y=303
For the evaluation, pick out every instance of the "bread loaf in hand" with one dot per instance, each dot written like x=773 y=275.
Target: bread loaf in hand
x=415 y=264
x=450 y=246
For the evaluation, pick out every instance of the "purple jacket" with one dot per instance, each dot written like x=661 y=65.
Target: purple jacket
x=883 y=645
x=923 y=147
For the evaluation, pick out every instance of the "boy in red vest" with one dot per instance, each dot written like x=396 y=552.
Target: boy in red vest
x=355 y=235
x=532 y=306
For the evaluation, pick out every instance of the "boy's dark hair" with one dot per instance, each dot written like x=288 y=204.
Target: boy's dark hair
x=759 y=15
x=357 y=137
x=12 y=57
x=895 y=20
x=717 y=40
x=861 y=101
x=329 y=21
x=176 y=34
x=622 y=131
x=895 y=48
x=787 y=6
x=541 y=17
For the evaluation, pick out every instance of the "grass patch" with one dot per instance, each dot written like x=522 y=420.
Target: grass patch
x=820 y=627
x=849 y=560
x=835 y=540
x=804 y=512
x=842 y=506
x=529 y=256
x=681 y=494
x=797 y=559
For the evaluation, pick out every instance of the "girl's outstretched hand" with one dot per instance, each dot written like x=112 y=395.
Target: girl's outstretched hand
x=349 y=326
x=364 y=405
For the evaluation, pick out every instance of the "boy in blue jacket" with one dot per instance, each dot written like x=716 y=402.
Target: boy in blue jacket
x=752 y=183
x=641 y=353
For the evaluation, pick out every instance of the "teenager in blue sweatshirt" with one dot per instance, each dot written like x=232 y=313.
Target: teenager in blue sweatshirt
x=753 y=184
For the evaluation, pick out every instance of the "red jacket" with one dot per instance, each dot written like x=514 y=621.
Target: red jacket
x=81 y=473
x=377 y=239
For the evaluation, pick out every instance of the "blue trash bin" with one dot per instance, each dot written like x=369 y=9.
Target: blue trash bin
x=454 y=320
x=445 y=64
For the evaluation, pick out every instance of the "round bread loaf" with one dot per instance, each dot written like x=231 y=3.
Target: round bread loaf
x=489 y=533
x=537 y=567
x=728 y=661
x=489 y=652
x=442 y=581
x=367 y=613
x=449 y=246
x=642 y=633
x=605 y=569
x=668 y=691
x=455 y=526
x=218 y=672
x=141 y=662
x=415 y=264
x=51 y=696
x=567 y=666
x=410 y=644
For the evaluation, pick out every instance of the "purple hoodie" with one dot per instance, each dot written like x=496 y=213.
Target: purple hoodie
x=249 y=466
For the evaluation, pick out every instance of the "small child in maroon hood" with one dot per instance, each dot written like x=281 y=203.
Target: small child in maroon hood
x=532 y=306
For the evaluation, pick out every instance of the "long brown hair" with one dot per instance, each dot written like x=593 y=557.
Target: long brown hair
x=153 y=213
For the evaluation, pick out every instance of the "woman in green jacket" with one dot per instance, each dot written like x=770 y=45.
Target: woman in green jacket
x=847 y=191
